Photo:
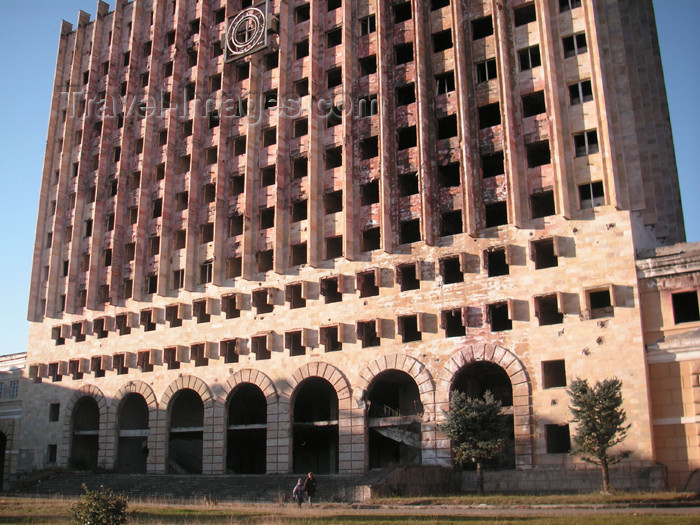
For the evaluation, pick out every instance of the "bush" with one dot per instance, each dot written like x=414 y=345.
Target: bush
x=100 y=507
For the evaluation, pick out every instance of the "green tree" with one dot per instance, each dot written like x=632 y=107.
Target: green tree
x=100 y=507
x=478 y=431
x=601 y=423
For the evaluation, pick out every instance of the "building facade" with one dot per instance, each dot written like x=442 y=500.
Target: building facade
x=273 y=238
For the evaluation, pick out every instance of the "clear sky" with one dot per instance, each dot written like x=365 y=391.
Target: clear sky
x=29 y=32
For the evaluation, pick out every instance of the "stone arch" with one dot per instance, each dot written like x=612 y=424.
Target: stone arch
x=193 y=383
x=250 y=375
x=136 y=387
x=405 y=363
x=149 y=396
x=328 y=372
x=103 y=407
x=520 y=381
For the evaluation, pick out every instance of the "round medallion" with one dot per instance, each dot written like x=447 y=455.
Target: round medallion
x=246 y=31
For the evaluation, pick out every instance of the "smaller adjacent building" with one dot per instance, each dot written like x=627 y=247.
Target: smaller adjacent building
x=11 y=369
x=669 y=279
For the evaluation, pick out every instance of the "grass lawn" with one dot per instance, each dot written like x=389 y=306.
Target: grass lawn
x=395 y=511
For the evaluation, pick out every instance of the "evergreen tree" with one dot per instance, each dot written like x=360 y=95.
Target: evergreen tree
x=601 y=423
x=478 y=431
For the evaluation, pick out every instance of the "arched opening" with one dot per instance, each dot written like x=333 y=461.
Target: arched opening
x=315 y=427
x=132 y=452
x=394 y=416
x=247 y=431
x=186 y=433
x=474 y=380
x=3 y=448
x=85 y=426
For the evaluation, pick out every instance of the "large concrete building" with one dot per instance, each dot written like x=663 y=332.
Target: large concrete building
x=274 y=238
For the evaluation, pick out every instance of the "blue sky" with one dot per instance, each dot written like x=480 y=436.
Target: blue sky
x=28 y=45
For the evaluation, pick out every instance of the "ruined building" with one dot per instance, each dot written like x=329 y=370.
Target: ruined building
x=274 y=237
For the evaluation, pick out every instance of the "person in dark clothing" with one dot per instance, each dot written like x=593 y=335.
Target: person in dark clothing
x=298 y=493
x=310 y=486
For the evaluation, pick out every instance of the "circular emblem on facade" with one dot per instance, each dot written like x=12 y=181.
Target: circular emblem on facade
x=246 y=31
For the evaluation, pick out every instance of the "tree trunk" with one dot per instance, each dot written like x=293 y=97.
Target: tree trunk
x=479 y=478
x=606 y=476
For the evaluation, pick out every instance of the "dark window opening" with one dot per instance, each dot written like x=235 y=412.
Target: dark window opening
x=334 y=4
x=152 y=284
x=299 y=210
x=405 y=94
x=298 y=254
x=538 y=154
x=269 y=137
x=198 y=356
x=367 y=333
x=554 y=373
x=120 y=365
x=333 y=202
x=334 y=157
x=301 y=87
x=492 y=165
x=334 y=117
x=259 y=298
x=229 y=351
x=368 y=106
x=542 y=204
x=121 y=325
x=409 y=231
x=264 y=260
x=329 y=339
x=499 y=317
x=366 y=284
x=408 y=328
x=486 y=70
x=330 y=291
x=447 y=127
x=402 y=12
x=206 y=272
x=207 y=233
x=172 y=316
x=334 y=247
x=406 y=138
x=586 y=143
x=302 y=13
x=438 y=4
x=442 y=41
x=489 y=115
x=496 y=214
x=544 y=254
x=408 y=184
x=445 y=83
x=534 y=104
x=293 y=293
x=591 y=195
x=525 y=14
x=234 y=267
x=451 y=223
x=685 y=307
x=267 y=218
x=369 y=148
x=258 y=347
x=580 y=92
x=568 y=5
x=575 y=45
x=301 y=49
x=404 y=53
x=497 y=262
x=301 y=167
x=170 y=358
x=368 y=25
x=451 y=270
x=267 y=176
x=293 y=342
x=600 y=303
x=271 y=61
x=368 y=65
x=146 y=320
x=369 y=193
x=449 y=175
x=482 y=27
x=334 y=77
x=371 y=238
x=229 y=308
x=547 y=310
x=334 y=37
x=529 y=58
x=407 y=277
x=558 y=439
x=453 y=323
x=239 y=146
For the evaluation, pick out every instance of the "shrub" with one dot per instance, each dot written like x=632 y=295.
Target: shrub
x=100 y=507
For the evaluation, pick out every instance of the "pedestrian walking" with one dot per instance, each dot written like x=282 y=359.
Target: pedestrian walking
x=310 y=486
x=298 y=493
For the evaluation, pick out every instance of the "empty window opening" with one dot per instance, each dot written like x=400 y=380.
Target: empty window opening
x=302 y=13
x=178 y=279
x=369 y=148
x=74 y=369
x=269 y=137
x=574 y=45
x=237 y=184
x=330 y=290
x=438 y=4
x=332 y=5
x=369 y=193
x=96 y=367
x=170 y=358
x=258 y=346
x=445 y=83
x=121 y=325
x=368 y=106
x=408 y=328
x=267 y=176
x=497 y=262
x=264 y=261
x=486 y=70
x=78 y=334
x=368 y=25
x=271 y=61
x=406 y=138
x=489 y=115
x=366 y=284
x=554 y=373
x=229 y=350
x=496 y=214
x=301 y=49
x=293 y=342
x=229 y=306
x=534 y=104
x=408 y=184
x=180 y=239
x=404 y=53
x=542 y=204
x=334 y=247
x=591 y=195
x=371 y=239
x=447 y=127
x=187 y=129
x=449 y=175
x=499 y=317
x=98 y=328
x=198 y=355
x=157 y=208
x=234 y=267
x=301 y=127
x=334 y=37
x=538 y=154
x=442 y=41
x=586 y=143
x=368 y=65
x=300 y=168
x=451 y=223
x=334 y=117
x=329 y=339
x=525 y=14
x=146 y=320
x=547 y=310
x=267 y=218
x=544 y=254
x=407 y=277
x=154 y=246
x=333 y=202
x=334 y=157
x=85 y=429
x=299 y=210
x=294 y=295
x=172 y=313
x=405 y=94
x=207 y=233
x=685 y=307
x=600 y=303
x=580 y=92
x=152 y=284
x=482 y=27
x=107 y=258
x=452 y=323
x=206 y=272
x=367 y=333
x=298 y=254
x=143 y=361
x=529 y=58
x=568 y=5
x=402 y=12
x=558 y=439
x=409 y=231
x=259 y=300
x=451 y=270
x=239 y=146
